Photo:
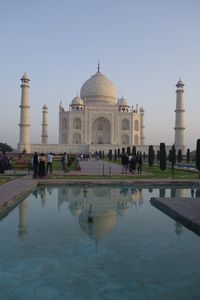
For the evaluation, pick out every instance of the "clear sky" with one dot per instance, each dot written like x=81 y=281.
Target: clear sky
x=143 y=46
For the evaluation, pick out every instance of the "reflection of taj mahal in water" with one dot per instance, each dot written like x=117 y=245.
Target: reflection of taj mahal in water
x=96 y=120
x=108 y=204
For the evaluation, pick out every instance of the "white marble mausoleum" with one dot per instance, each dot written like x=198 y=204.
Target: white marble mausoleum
x=95 y=120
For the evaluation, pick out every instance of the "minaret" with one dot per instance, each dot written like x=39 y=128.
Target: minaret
x=142 y=137
x=179 y=119
x=24 y=137
x=45 y=124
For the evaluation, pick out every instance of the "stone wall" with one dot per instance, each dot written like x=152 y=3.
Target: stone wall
x=86 y=149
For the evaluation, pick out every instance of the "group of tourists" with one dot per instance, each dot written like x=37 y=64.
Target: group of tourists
x=42 y=165
x=131 y=163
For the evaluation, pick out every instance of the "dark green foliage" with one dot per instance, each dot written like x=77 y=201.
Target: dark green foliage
x=71 y=160
x=197 y=160
x=118 y=153
x=158 y=155
x=188 y=155
x=173 y=158
x=103 y=155
x=151 y=156
x=100 y=154
x=169 y=156
x=128 y=151
x=110 y=154
x=134 y=150
x=179 y=156
x=115 y=157
x=5 y=148
x=163 y=157
x=144 y=156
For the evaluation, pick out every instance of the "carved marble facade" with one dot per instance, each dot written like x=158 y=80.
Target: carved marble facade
x=97 y=117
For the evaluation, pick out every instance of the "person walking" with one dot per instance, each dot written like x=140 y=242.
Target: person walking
x=132 y=164
x=64 y=161
x=35 y=162
x=125 y=162
x=49 y=163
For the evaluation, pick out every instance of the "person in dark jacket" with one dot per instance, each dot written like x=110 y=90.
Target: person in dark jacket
x=35 y=164
x=125 y=162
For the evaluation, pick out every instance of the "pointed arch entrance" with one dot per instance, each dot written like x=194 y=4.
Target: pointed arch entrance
x=101 y=131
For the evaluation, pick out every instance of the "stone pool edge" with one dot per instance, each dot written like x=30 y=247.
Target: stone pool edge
x=12 y=192
x=178 y=209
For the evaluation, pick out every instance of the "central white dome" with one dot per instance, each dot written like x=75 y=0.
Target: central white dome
x=98 y=89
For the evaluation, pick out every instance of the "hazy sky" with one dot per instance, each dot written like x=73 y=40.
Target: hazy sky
x=143 y=46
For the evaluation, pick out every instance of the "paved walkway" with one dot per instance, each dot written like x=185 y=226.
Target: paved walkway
x=99 y=167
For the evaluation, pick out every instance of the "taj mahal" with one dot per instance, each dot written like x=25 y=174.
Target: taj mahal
x=96 y=120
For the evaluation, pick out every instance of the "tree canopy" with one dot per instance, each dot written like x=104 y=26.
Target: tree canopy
x=5 y=147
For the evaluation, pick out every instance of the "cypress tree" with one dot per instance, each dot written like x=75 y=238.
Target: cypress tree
x=180 y=157
x=128 y=151
x=151 y=156
x=158 y=155
x=144 y=156
x=134 y=150
x=163 y=157
x=100 y=154
x=110 y=154
x=169 y=156
x=115 y=155
x=173 y=158
x=188 y=155
x=197 y=159
x=118 y=153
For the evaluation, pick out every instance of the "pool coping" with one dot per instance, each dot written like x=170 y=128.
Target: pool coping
x=184 y=210
x=12 y=192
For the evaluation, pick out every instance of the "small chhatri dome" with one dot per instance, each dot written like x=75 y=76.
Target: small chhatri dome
x=180 y=83
x=45 y=106
x=98 y=89
x=25 y=77
x=77 y=101
x=123 y=102
x=141 y=109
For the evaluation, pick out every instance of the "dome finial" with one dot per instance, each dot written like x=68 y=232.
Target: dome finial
x=98 y=68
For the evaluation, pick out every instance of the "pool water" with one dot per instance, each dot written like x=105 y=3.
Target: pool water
x=131 y=250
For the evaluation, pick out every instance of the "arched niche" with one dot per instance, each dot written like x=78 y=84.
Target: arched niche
x=136 y=125
x=125 y=124
x=125 y=139
x=101 y=131
x=76 y=138
x=136 y=139
x=77 y=123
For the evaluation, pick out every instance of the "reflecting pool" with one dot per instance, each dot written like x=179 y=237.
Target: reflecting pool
x=131 y=250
